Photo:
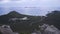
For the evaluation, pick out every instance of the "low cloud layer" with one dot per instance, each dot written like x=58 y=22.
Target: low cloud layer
x=34 y=7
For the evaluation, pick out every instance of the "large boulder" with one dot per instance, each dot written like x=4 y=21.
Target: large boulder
x=5 y=29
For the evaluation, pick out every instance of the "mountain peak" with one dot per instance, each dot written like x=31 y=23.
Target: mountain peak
x=14 y=14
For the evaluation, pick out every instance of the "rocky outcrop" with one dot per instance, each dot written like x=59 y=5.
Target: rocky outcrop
x=5 y=29
x=49 y=29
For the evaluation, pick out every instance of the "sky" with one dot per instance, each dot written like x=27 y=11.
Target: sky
x=29 y=7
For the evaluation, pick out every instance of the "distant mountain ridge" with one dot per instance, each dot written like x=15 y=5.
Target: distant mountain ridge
x=19 y=24
x=14 y=14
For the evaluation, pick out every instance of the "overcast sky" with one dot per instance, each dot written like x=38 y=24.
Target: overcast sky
x=30 y=7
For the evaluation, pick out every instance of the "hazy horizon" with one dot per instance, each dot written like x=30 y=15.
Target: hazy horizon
x=29 y=7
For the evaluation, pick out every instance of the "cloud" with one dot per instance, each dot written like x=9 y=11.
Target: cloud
x=37 y=3
x=43 y=5
x=4 y=1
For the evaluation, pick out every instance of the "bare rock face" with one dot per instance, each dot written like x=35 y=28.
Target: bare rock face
x=49 y=29
x=5 y=29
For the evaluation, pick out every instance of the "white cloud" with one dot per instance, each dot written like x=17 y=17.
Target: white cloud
x=38 y=3
x=44 y=5
x=4 y=1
